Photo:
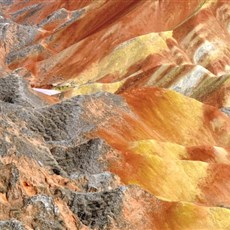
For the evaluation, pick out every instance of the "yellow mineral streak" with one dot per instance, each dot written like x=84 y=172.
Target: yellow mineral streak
x=208 y=3
x=93 y=88
x=162 y=149
x=171 y=115
x=163 y=177
x=119 y=61
x=187 y=216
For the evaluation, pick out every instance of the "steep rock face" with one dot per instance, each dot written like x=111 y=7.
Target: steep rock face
x=114 y=115
x=75 y=167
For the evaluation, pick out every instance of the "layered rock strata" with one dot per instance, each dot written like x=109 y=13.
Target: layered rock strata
x=114 y=115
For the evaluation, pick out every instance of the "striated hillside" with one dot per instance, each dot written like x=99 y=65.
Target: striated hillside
x=114 y=114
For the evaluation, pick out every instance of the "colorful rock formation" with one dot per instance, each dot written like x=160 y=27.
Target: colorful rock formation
x=114 y=114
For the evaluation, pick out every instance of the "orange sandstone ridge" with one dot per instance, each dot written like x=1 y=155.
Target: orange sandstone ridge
x=114 y=114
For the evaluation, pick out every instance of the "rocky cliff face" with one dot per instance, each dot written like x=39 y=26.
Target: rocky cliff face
x=114 y=114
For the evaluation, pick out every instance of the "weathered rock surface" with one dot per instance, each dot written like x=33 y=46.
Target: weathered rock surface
x=114 y=115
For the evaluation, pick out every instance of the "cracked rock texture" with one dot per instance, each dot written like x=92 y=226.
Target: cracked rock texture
x=114 y=115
